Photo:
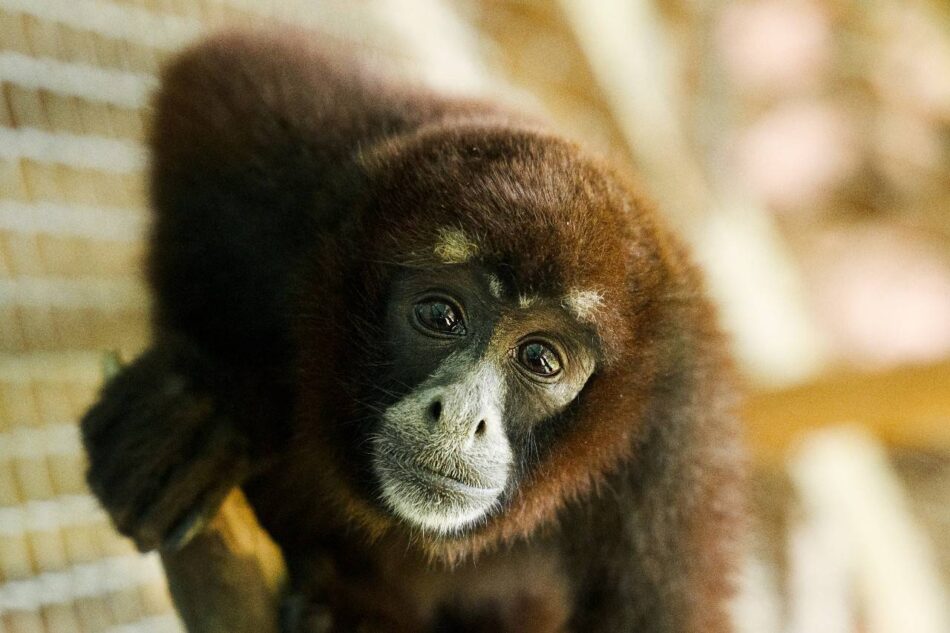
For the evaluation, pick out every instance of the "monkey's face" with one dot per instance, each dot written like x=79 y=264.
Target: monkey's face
x=487 y=281
x=479 y=370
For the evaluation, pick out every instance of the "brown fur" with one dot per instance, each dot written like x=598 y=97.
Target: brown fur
x=290 y=187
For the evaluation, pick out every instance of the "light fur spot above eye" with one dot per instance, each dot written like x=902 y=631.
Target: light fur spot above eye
x=495 y=286
x=526 y=301
x=454 y=246
x=584 y=304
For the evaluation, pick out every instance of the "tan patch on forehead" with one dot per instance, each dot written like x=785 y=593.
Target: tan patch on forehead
x=495 y=286
x=526 y=301
x=454 y=246
x=583 y=304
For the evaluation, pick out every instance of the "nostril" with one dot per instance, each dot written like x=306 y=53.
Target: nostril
x=480 y=428
x=435 y=410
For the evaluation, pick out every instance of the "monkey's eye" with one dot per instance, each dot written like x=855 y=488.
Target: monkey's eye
x=440 y=316
x=539 y=358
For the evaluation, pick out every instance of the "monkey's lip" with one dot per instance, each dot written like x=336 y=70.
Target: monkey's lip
x=433 y=500
x=435 y=478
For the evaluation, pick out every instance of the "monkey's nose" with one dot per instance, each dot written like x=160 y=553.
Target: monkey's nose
x=434 y=412
x=472 y=425
x=483 y=430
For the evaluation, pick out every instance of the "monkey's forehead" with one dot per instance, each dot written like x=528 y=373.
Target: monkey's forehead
x=547 y=233
x=454 y=246
x=544 y=215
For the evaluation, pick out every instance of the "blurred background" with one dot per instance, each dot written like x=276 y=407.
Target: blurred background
x=801 y=146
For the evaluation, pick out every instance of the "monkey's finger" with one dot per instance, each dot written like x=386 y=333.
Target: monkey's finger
x=128 y=469
x=187 y=528
x=144 y=475
x=196 y=519
x=234 y=468
x=128 y=492
x=198 y=488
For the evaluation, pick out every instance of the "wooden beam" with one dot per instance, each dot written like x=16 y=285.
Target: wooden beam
x=906 y=407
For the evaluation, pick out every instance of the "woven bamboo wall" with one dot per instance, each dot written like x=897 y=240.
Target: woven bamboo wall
x=71 y=215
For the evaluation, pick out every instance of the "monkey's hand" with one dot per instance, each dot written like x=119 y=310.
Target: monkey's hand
x=163 y=449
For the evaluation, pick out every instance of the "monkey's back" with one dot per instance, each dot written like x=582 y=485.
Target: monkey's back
x=246 y=179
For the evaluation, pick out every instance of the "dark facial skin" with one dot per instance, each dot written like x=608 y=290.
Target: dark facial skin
x=480 y=371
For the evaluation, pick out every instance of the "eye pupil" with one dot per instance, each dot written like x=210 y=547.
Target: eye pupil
x=441 y=317
x=540 y=359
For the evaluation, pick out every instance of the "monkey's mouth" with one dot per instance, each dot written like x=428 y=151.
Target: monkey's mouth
x=433 y=500
x=454 y=483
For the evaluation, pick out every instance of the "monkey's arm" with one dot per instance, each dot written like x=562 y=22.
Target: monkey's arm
x=238 y=167
x=170 y=437
x=248 y=164
x=167 y=447
x=656 y=563
x=660 y=542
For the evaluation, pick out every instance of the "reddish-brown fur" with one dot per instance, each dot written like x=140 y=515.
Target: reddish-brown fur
x=289 y=188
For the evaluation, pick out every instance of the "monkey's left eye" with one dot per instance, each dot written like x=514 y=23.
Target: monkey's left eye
x=539 y=359
x=440 y=316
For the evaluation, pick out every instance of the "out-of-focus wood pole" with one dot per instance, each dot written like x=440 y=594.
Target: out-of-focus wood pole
x=857 y=551
x=229 y=578
x=907 y=407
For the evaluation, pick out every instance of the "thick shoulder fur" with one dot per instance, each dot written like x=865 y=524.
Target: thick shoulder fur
x=255 y=141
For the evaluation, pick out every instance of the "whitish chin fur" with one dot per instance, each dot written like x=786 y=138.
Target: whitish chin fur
x=438 y=505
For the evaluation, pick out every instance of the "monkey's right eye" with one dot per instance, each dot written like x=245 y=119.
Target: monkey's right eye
x=440 y=316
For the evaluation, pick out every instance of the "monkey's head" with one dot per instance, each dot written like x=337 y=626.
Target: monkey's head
x=500 y=302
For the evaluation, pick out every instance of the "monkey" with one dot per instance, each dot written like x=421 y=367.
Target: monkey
x=463 y=374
